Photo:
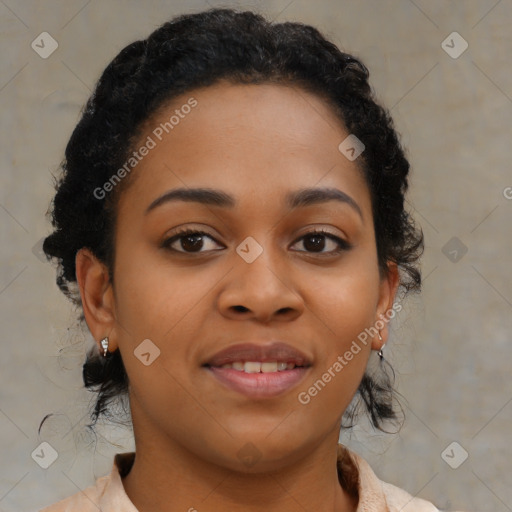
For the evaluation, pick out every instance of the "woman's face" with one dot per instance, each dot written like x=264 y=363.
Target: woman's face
x=256 y=287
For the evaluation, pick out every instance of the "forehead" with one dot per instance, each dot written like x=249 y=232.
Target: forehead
x=255 y=140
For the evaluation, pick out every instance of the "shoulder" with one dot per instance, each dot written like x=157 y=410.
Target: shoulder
x=399 y=500
x=375 y=494
x=85 y=501
x=107 y=494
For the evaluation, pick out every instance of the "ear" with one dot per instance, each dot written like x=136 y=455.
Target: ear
x=385 y=310
x=97 y=297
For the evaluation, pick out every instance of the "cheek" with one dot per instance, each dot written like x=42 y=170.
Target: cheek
x=346 y=299
x=153 y=295
x=345 y=310
x=156 y=301
x=344 y=305
x=166 y=304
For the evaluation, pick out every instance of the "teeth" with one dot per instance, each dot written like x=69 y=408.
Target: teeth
x=269 y=367
x=257 y=367
x=252 y=367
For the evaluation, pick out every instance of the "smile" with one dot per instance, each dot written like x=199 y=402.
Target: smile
x=257 y=367
x=259 y=371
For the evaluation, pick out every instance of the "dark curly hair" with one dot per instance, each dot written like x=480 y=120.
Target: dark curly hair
x=197 y=50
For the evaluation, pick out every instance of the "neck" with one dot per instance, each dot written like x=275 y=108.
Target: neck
x=187 y=482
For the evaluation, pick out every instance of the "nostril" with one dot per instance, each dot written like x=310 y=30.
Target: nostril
x=242 y=309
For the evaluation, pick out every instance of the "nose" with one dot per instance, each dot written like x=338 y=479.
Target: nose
x=263 y=290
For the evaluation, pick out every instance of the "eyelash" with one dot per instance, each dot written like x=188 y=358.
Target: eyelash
x=343 y=245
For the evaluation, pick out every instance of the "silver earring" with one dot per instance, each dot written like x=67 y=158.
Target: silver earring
x=380 y=353
x=104 y=344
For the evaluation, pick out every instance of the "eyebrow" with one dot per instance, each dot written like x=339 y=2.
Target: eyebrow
x=296 y=199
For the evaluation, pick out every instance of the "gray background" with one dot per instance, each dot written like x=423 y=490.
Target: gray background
x=451 y=346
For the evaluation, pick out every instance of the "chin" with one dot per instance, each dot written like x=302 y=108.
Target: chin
x=257 y=453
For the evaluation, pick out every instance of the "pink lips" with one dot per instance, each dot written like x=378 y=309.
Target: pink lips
x=259 y=385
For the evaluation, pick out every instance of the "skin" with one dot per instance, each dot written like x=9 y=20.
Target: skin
x=257 y=143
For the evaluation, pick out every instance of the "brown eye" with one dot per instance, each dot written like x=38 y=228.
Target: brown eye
x=190 y=241
x=316 y=241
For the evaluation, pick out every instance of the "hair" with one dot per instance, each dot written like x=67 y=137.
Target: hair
x=198 y=50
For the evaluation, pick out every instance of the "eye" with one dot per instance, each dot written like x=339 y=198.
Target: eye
x=190 y=240
x=315 y=241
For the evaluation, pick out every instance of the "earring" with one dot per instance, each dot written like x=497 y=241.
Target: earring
x=104 y=344
x=380 y=353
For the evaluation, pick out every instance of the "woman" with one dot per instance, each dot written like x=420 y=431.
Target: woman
x=232 y=211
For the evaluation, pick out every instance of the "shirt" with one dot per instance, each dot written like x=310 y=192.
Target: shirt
x=354 y=473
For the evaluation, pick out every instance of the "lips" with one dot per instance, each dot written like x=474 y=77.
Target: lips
x=259 y=371
x=275 y=352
